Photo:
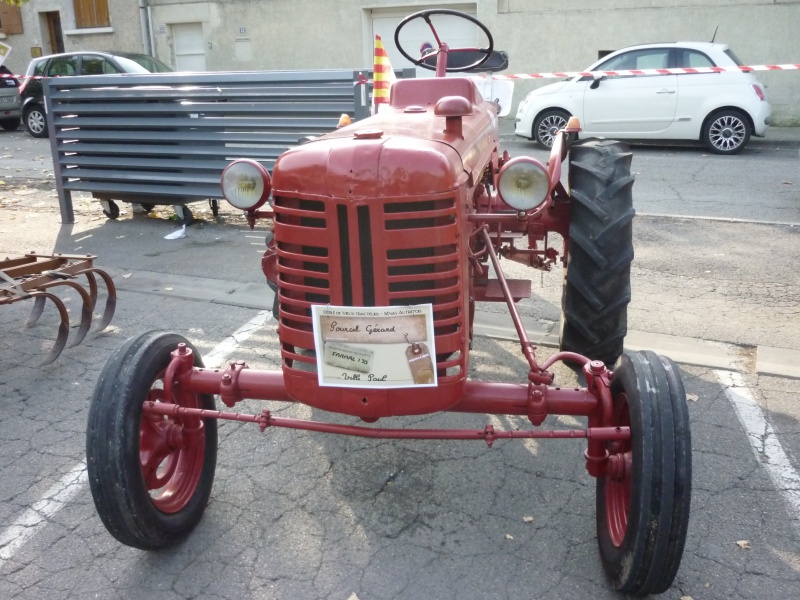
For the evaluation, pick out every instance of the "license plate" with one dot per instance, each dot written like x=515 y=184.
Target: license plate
x=7 y=99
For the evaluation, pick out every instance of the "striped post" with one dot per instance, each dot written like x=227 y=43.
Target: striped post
x=383 y=76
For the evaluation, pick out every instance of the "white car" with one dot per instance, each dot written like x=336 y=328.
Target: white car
x=720 y=109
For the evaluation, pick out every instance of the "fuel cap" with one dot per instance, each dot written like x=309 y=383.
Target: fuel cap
x=368 y=134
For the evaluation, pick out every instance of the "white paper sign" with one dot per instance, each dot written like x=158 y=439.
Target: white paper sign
x=5 y=50
x=375 y=347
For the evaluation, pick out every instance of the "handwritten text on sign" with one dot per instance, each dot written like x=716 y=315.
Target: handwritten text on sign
x=371 y=346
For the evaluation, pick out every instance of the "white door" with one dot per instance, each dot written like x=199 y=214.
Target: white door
x=627 y=105
x=189 y=46
x=456 y=32
x=631 y=104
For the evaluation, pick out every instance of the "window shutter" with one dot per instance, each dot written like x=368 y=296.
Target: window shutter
x=91 y=13
x=10 y=19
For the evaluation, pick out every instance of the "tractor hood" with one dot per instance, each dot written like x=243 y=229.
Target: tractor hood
x=406 y=150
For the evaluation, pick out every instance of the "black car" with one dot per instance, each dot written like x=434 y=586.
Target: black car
x=75 y=63
x=9 y=100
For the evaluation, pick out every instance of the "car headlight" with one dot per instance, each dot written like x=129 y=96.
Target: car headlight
x=523 y=183
x=246 y=184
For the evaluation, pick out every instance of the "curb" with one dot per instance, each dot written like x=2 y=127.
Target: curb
x=778 y=362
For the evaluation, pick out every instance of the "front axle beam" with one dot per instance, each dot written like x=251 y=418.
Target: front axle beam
x=487 y=434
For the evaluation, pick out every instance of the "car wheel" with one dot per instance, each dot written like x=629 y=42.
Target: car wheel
x=726 y=132
x=10 y=124
x=35 y=121
x=547 y=125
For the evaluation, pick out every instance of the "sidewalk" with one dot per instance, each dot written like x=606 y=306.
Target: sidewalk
x=789 y=136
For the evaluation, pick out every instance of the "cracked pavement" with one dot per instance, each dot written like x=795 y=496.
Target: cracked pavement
x=304 y=515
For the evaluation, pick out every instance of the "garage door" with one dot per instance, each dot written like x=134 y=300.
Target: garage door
x=452 y=30
x=190 y=46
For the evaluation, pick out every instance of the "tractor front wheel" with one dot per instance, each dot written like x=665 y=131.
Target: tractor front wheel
x=643 y=501
x=597 y=283
x=150 y=475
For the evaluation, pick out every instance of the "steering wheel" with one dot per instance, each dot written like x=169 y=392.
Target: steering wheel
x=425 y=15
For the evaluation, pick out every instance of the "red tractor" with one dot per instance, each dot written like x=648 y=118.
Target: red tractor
x=386 y=234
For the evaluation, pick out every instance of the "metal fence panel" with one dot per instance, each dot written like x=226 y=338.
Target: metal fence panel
x=166 y=137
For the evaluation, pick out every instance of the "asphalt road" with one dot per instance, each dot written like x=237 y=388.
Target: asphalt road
x=304 y=515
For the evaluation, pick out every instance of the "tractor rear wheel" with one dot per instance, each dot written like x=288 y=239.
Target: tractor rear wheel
x=643 y=502
x=150 y=475
x=597 y=282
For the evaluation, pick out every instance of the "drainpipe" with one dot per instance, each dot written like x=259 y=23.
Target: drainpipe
x=144 y=19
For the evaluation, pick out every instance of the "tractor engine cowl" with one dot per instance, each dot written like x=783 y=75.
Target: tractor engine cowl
x=371 y=215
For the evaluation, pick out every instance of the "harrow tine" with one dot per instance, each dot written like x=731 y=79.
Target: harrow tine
x=92 y=286
x=29 y=277
x=36 y=312
x=86 y=309
x=111 y=300
x=63 y=327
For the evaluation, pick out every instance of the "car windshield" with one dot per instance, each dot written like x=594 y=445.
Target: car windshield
x=148 y=63
x=36 y=67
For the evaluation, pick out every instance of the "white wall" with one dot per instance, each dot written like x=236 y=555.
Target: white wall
x=540 y=35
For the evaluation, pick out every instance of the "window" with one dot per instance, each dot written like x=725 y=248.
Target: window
x=62 y=66
x=97 y=65
x=91 y=13
x=693 y=59
x=38 y=69
x=733 y=57
x=10 y=19
x=638 y=59
x=152 y=65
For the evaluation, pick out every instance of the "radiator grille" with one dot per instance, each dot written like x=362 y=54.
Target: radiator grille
x=383 y=253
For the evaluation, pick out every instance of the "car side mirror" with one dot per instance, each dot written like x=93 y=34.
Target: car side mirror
x=596 y=83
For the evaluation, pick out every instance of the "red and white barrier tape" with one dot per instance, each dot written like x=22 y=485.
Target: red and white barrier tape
x=677 y=71
x=565 y=74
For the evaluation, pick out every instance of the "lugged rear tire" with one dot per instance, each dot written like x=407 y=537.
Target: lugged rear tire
x=597 y=282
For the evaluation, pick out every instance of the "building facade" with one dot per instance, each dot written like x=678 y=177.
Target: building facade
x=539 y=35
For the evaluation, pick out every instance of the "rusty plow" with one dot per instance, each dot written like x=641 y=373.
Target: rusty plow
x=37 y=276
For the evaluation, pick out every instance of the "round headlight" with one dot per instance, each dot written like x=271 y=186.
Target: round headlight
x=246 y=184
x=524 y=183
